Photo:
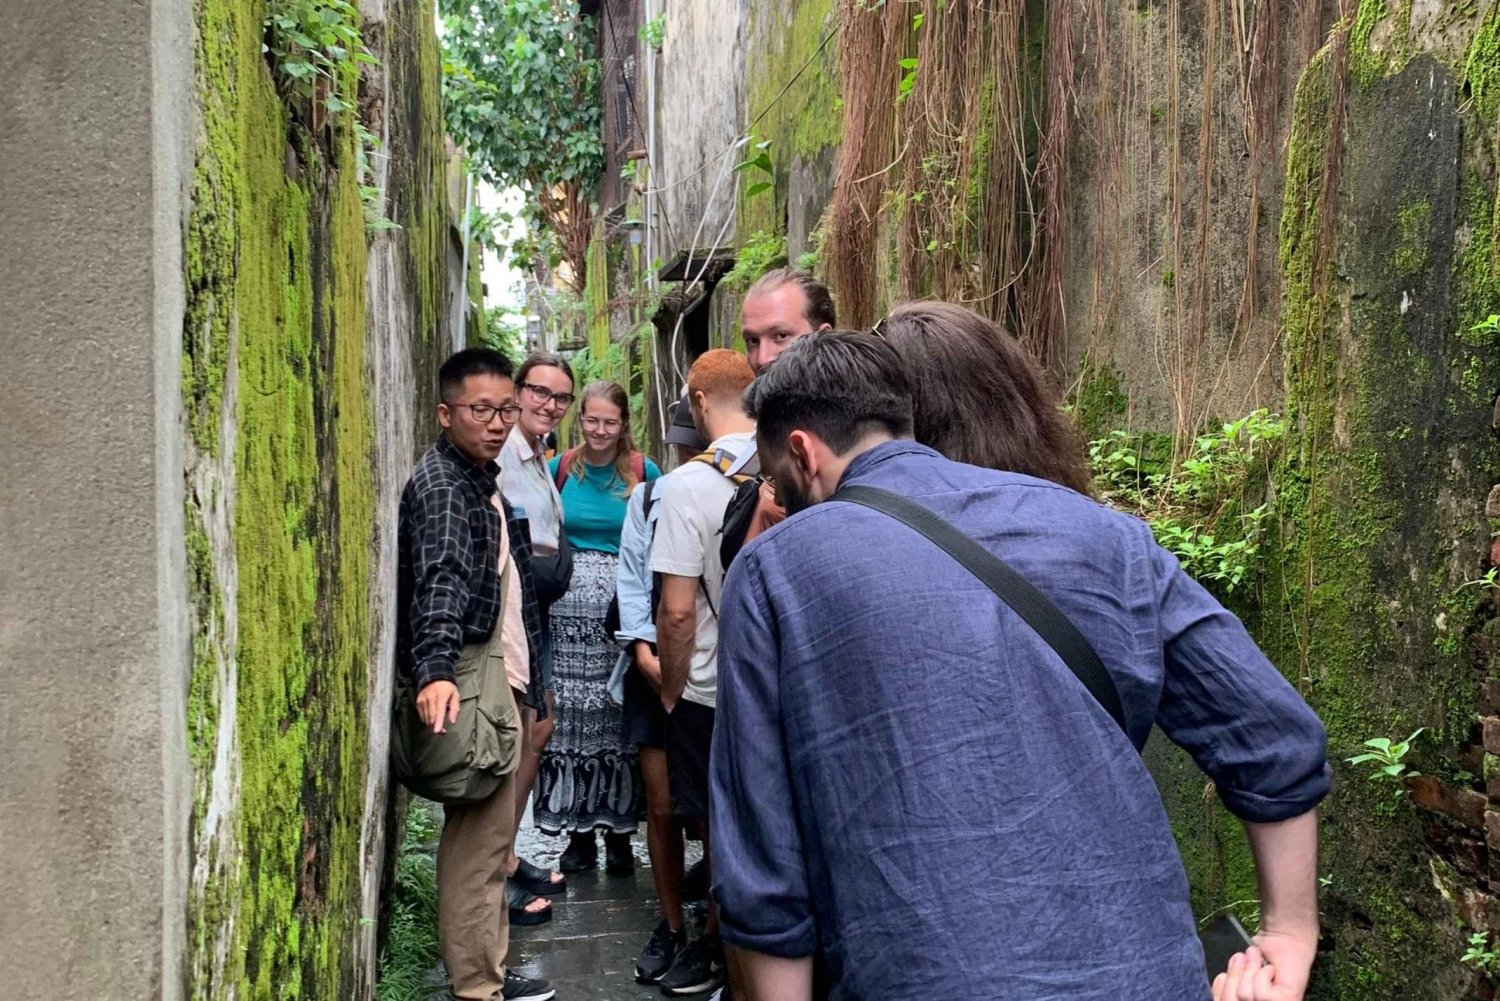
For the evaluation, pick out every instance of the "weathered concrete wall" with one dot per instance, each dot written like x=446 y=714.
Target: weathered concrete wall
x=1174 y=198
x=93 y=639
x=699 y=76
x=792 y=87
x=407 y=337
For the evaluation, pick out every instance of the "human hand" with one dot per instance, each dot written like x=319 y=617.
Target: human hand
x=436 y=701
x=1276 y=968
x=649 y=665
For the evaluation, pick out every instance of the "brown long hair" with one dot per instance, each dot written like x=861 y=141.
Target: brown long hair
x=980 y=398
x=614 y=393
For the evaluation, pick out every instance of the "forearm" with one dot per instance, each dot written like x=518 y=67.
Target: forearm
x=1286 y=864
x=771 y=978
x=674 y=646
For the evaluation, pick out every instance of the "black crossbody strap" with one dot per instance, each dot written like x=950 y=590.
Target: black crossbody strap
x=1010 y=587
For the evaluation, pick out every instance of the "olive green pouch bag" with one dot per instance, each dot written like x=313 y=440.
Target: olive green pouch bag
x=466 y=762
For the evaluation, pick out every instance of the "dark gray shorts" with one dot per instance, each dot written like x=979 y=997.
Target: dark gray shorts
x=690 y=737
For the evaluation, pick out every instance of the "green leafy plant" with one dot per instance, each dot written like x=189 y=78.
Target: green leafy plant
x=521 y=94
x=505 y=331
x=316 y=48
x=908 y=78
x=654 y=31
x=1208 y=558
x=758 y=166
x=1200 y=507
x=1480 y=955
x=1386 y=756
x=757 y=255
x=1490 y=579
x=369 y=192
x=1221 y=461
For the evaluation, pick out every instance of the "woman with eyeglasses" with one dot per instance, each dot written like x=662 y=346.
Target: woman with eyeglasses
x=590 y=776
x=544 y=390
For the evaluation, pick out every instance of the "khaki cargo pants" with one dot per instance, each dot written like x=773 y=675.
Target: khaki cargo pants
x=473 y=921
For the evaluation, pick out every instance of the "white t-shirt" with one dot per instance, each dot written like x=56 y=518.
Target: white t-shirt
x=691 y=500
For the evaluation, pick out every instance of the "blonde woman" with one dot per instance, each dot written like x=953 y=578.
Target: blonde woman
x=590 y=776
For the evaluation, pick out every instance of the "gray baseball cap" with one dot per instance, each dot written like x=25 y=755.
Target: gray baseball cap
x=680 y=427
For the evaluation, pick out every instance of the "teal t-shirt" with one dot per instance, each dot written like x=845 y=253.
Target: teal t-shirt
x=594 y=506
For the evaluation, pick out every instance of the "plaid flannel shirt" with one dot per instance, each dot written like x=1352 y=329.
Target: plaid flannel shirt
x=448 y=574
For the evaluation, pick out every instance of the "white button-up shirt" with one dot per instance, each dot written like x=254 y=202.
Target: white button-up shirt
x=527 y=484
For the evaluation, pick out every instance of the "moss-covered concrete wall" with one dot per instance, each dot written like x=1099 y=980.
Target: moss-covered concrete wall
x=1387 y=263
x=282 y=501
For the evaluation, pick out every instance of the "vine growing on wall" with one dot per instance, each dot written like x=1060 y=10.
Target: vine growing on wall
x=521 y=94
x=315 y=49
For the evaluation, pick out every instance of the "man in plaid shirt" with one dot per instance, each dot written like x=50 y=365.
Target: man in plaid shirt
x=454 y=540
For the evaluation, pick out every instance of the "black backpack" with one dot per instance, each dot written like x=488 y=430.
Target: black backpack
x=738 y=514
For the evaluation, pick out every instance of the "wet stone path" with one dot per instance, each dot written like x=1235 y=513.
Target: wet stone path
x=598 y=928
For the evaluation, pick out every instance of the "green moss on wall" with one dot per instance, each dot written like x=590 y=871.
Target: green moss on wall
x=802 y=120
x=1482 y=69
x=276 y=272
x=1098 y=401
x=1360 y=609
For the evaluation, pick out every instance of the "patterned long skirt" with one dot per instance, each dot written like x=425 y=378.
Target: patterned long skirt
x=589 y=777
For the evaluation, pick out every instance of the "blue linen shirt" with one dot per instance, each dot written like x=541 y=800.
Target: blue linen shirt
x=908 y=778
x=633 y=577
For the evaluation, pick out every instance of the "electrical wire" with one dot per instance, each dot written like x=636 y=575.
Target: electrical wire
x=737 y=143
x=757 y=119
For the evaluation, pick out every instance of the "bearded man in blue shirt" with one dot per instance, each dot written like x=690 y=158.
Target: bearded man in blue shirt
x=910 y=783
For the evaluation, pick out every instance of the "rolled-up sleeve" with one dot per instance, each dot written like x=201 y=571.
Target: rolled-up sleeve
x=760 y=875
x=633 y=574
x=1227 y=706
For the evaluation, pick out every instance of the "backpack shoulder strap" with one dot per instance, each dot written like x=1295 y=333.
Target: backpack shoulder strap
x=638 y=466
x=722 y=461
x=1035 y=608
x=564 y=466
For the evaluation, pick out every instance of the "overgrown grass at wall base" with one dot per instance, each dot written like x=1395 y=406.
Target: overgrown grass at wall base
x=412 y=949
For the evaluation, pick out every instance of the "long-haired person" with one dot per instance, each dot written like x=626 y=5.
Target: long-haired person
x=590 y=777
x=979 y=397
x=544 y=390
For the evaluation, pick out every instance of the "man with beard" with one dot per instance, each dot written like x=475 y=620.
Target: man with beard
x=919 y=776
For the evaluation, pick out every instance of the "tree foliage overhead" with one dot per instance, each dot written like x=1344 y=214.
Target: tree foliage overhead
x=521 y=93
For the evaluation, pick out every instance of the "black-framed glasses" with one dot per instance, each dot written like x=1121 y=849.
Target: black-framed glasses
x=484 y=412
x=564 y=400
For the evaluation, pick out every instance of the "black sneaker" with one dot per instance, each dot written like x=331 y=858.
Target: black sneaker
x=699 y=968
x=657 y=958
x=582 y=854
x=519 y=988
x=619 y=859
x=695 y=882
